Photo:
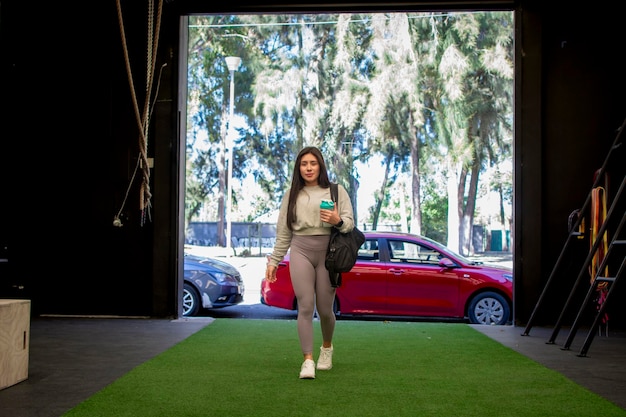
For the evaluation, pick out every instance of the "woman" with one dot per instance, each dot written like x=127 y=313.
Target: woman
x=305 y=228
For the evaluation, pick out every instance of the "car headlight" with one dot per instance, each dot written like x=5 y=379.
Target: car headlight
x=225 y=279
x=508 y=277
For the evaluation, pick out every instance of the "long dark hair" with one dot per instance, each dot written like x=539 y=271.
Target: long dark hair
x=297 y=182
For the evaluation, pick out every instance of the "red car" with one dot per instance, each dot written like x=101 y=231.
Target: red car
x=401 y=274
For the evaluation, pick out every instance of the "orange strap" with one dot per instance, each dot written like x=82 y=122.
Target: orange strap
x=598 y=214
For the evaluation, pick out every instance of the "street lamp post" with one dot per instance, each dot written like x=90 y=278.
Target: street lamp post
x=233 y=63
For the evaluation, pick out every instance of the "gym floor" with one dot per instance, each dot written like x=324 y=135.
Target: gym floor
x=70 y=359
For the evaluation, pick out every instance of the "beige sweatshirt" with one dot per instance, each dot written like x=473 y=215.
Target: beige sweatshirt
x=308 y=220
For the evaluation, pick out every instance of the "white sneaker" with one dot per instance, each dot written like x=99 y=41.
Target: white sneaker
x=308 y=369
x=325 y=361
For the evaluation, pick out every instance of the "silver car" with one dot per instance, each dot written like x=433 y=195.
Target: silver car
x=210 y=283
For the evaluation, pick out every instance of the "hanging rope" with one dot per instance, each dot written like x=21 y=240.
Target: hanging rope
x=143 y=119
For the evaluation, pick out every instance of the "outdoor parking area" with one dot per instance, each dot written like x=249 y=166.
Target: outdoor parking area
x=252 y=268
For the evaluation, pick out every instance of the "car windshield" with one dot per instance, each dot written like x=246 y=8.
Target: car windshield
x=445 y=249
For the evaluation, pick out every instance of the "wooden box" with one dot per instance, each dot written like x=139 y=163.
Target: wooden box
x=14 y=341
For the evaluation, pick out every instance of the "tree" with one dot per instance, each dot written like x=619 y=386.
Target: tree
x=475 y=73
x=425 y=91
x=394 y=115
x=208 y=87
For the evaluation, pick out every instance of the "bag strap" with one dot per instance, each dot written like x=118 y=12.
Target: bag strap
x=335 y=277
x=334 y=192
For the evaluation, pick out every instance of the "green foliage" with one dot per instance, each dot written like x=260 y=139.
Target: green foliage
x=404 y=87
x=435 y=216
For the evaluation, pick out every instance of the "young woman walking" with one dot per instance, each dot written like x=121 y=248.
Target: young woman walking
x=305 y=228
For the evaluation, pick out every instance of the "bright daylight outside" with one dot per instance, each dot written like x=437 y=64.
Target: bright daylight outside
x=412 y=111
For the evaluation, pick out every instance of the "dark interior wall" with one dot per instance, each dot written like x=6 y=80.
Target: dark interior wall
x=69 y=145
x=580 y=109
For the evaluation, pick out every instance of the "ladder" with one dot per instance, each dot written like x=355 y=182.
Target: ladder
x=598 y=280
x=613 y=252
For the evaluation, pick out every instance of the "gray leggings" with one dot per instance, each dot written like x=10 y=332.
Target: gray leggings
x=311 y=284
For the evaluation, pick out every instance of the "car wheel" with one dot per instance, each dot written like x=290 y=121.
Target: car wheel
x=489 y=308
x=191 y=301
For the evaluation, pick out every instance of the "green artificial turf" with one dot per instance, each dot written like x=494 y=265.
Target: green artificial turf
x=248 y=368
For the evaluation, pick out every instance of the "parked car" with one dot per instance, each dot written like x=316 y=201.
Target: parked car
x=210 y=283
x=402 y=274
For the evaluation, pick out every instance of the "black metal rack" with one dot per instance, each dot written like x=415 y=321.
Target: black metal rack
x=616 y=250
